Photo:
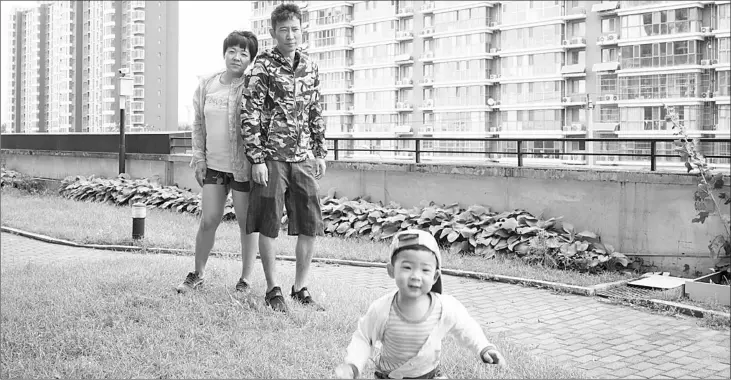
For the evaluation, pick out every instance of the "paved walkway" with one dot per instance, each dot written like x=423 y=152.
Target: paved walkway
x=607 y=341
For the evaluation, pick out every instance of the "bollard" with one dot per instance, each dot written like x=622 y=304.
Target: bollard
x=139 y=211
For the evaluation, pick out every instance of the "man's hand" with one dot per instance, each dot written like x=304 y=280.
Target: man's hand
x=344 y=371
x=320 y=168
x=200 y=172
x=260 y=173
x=493 y=357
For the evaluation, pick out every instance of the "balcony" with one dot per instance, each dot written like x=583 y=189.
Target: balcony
x=606 y=8
x=575 y=70
x=608 y=39
x=426 y=81
x=405 y=83
x=427 y=56
x=404 y=106
x=428 y=32
x=608 y=98
x=574 y=129
x=137 y=4
x=427 y=7
x=574 y=43
x=405 y=12
x=428 y=104
x=404 y=35
x=403 y=130
x=403 y=59
x=605 y=66
x=574 y=100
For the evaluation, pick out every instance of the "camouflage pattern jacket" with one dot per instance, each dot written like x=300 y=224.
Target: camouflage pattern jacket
x=281 y=117
x=241 y=166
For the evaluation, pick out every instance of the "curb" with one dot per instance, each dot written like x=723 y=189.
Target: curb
x=573 y=289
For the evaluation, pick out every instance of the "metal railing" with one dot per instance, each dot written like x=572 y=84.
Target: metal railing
x=337 y=148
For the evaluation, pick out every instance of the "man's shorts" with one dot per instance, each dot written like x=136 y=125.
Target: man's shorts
x=215 y=177
x=291 y=185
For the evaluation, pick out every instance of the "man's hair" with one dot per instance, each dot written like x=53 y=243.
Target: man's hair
x=242 y=39
x=284 y=12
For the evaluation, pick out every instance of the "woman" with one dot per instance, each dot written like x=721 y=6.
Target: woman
x=218 y=156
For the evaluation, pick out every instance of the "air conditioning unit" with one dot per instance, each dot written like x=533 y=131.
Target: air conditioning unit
x=429 y=103
x=350 y=108
x=578 y=41
x=706 y=30
x=566 y=127
x=600 y=40
x=493 y=24
x=705 y=62
x=398 y=82
x=612 y=37
x=493 y=51
x=566 y=99
x=493 y=129
x=714 y=62
x=399 y=105
x=408 y=106
x=608 y=97
x=704 y=95
x=494 y=76
x=428 y=128
x=565 y=42
x=577 y=127
x=411 y=81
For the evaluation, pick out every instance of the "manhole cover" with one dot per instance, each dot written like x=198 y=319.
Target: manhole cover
x=626 y=292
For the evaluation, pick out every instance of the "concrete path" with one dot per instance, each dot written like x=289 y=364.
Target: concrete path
x=607 y=341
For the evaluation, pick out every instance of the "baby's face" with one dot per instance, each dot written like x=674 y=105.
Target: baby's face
x=415 y=272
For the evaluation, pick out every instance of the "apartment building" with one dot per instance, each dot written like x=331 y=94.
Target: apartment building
x=512 y=69
x=67 y=71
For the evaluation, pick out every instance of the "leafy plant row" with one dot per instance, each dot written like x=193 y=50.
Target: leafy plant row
x=12 y=178
x=473 y=231
x=123 y=191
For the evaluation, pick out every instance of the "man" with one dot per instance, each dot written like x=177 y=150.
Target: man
x=281 y=122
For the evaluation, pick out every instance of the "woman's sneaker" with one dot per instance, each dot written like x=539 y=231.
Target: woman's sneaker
x=242 y=286
x=192 y=282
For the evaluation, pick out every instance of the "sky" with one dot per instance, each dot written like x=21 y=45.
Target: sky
x=203 y=26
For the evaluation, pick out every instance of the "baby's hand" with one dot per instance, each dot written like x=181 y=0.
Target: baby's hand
x=493 y=357
x=344 y=371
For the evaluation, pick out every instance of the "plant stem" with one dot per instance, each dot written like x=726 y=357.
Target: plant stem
x=701 y=168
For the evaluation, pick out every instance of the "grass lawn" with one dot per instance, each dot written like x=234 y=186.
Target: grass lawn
x=120 y=318
x=99 y=223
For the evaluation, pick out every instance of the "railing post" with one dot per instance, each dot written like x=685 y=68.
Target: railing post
x=335 y=149
x=417 y=151
x=653 y=165
x=520 y=153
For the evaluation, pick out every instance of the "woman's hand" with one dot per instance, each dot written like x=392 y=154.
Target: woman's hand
x=200 y=172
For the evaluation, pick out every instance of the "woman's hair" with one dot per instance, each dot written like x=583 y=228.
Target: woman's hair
x=243 y=39
x=284 y=12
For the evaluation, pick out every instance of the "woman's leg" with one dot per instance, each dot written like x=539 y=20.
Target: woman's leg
x=213 y=201
x=249 y=242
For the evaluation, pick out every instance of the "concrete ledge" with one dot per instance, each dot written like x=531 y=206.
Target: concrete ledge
x=580 y=290
x=493 y=170
x=64 y=153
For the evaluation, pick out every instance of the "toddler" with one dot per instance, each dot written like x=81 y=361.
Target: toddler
x=406 y=327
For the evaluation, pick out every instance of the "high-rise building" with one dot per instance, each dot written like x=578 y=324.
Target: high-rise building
x=67 y=57
x=517 y=69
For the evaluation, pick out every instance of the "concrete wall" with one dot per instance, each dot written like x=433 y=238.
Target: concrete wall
x=640 y=213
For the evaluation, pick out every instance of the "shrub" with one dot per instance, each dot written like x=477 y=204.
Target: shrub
x=472 y=231
x=11 y=178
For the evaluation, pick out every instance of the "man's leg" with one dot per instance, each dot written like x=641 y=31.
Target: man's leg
x=248 y=241
x=265 y=216
x=306 y=222
x=303 y=252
